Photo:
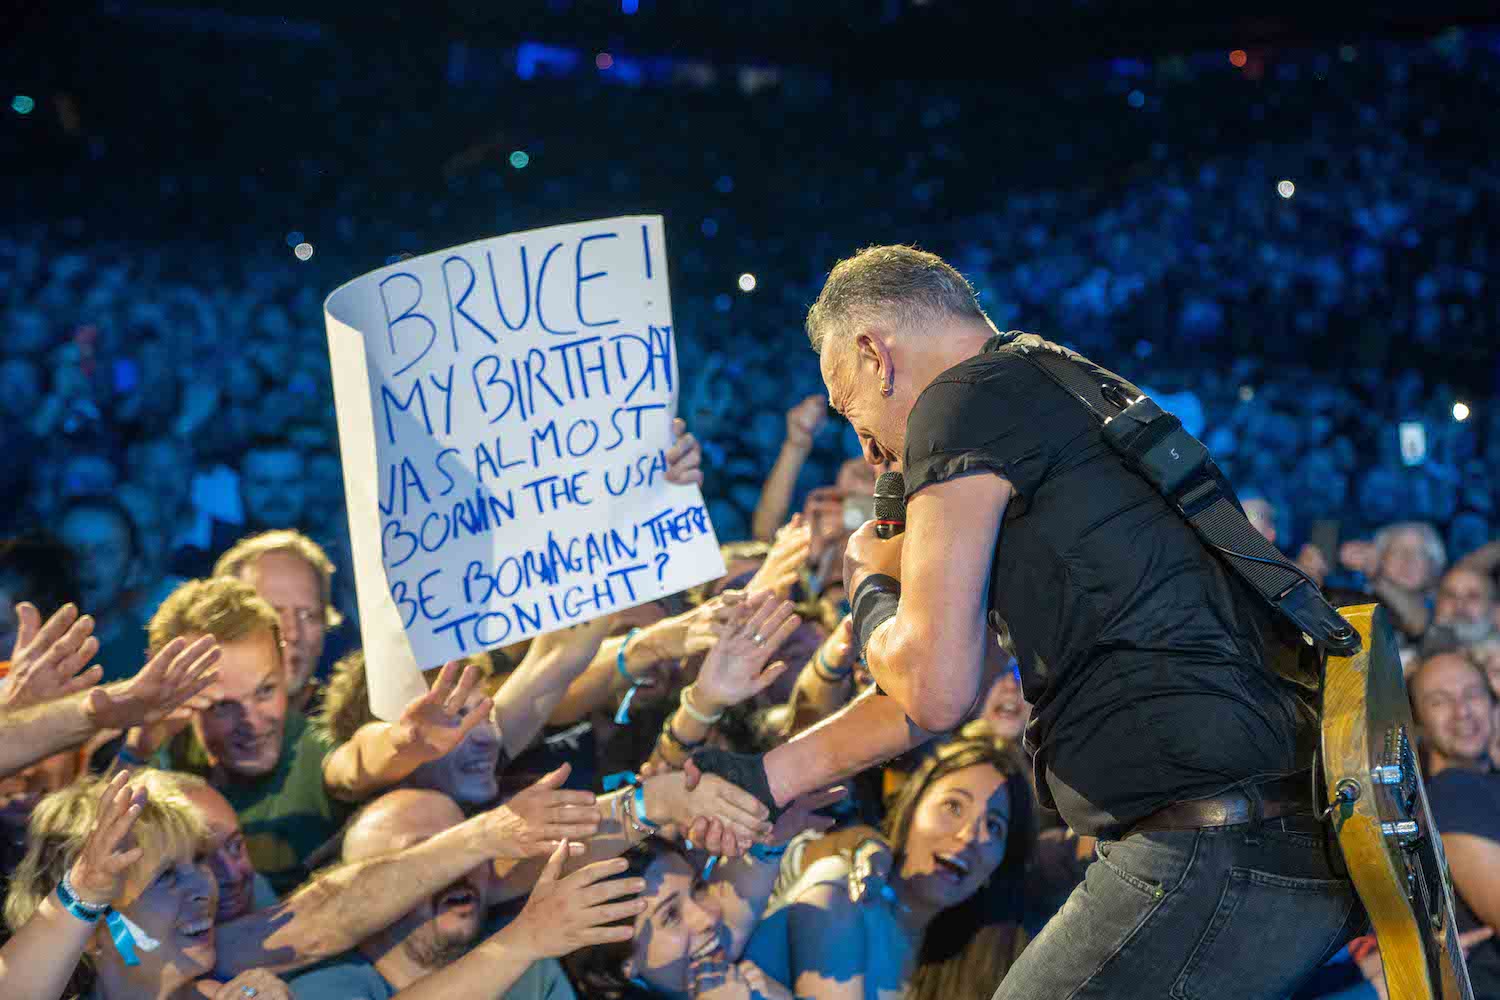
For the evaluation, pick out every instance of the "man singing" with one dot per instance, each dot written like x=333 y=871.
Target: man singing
x=1159 y=727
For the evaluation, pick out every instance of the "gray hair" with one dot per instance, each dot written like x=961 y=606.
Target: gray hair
x=1432 y=543
x=901 y=282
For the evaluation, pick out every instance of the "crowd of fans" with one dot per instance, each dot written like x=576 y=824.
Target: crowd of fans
x=195 y=795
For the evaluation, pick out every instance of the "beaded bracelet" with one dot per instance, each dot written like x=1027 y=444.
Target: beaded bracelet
x=702 y=718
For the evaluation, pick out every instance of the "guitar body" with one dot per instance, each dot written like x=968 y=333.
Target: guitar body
x=1379 y=811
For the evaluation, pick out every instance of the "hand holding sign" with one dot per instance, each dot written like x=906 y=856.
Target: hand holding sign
x=511 y=458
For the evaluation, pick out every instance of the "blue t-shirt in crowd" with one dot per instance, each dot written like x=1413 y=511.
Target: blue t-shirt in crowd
x=1469 y=802
x=352 y=976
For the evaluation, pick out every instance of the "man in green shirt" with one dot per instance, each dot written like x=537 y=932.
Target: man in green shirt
x=267 y=761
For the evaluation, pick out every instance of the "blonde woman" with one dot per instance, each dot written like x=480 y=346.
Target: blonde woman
x=118 y=879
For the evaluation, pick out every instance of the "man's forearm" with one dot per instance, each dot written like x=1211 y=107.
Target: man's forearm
x=338 y=910
x=529 y=696
x=872 y=729
x=34 y=733
x=485 y=973
x=372 y=759
x=776 y=494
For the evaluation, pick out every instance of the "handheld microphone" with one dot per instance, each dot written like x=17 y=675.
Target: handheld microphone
x=890 y=505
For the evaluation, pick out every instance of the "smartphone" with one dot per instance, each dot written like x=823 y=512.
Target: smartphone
x=1413 y=442
x=1325 y=538
x=858 y=510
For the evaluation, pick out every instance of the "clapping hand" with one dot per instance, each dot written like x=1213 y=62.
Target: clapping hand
x=175 y=674
x=434 y=724
x=49 y=660
x=537 y=818
x=98 y=873
x=732 y=672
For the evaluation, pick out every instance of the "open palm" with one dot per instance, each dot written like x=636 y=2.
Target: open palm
x=435 y=723
x=735 y=669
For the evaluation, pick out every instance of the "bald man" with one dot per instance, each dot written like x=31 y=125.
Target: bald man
x=435 y=933
x=1455 y=711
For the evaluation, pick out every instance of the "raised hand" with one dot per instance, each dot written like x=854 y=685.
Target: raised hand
x=802 y=814
x=685 y=458
x=564 y=914
x=804 y=420
x=735 y=669
x=50 y=661
x=98 y=873
x=1358 y=556
x=434 y=723
x=783 y=566
x=694 y=631
x=537 y=818
x=175 y=674
x=723 y=817
x=255 y=983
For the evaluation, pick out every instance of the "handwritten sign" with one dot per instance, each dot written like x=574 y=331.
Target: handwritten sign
x=504 y=412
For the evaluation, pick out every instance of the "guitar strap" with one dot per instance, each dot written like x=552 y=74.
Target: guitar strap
x=1154 y=444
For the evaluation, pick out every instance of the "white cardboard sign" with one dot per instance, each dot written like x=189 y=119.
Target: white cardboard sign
x=504 y=409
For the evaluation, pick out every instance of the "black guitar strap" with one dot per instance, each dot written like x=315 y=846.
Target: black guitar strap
x=1154 y=444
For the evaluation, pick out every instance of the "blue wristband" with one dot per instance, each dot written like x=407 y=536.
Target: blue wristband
x=622 y=717
x=767 y=852
x=86 y=912
x=620 y=779
x=124 y=756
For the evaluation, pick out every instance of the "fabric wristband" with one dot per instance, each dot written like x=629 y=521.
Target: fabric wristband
x=766 y=852
x=875 y=602
x=826 y=672
x=89 y=913
x=622 y=717
x=744 y=770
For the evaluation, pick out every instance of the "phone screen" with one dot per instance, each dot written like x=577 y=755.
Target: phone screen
x=1325 y=536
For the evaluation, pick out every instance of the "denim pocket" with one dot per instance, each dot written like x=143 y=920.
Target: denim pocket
x=1151 y=888
x=1267 y=933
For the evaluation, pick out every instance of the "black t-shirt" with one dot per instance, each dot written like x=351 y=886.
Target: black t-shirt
x=1141 y=654
x=1469 y=802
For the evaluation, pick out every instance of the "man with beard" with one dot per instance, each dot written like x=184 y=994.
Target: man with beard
x=434 y=934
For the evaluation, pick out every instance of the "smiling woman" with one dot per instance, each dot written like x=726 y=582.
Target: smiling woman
x=944 y=924
x=167 y=900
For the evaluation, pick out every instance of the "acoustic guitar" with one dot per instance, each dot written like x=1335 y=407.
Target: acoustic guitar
x=1379 y=810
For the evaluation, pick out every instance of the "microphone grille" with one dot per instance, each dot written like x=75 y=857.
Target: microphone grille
x=890 y=497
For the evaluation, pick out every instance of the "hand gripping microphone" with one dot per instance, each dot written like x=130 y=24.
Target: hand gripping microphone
x=890 y=505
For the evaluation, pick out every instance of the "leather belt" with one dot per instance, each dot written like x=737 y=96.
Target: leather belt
x=1289 y=796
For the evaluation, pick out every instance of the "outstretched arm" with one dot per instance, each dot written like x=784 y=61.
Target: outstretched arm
x=929 y=658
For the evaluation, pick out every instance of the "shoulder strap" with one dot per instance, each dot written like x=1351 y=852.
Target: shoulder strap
x=1154 y=444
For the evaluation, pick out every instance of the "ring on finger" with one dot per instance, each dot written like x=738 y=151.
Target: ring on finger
x=250 y=991
x=758 y=639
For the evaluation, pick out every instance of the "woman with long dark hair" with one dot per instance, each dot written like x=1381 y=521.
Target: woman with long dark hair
x=945 y=924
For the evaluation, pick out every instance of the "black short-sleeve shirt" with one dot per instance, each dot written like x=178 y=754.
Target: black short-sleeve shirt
x=1469 y=802
x=1141 y=654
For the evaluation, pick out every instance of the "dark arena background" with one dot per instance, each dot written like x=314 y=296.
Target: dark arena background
x=1280 y=220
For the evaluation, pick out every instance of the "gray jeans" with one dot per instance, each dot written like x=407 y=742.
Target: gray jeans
x=1219 y=914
